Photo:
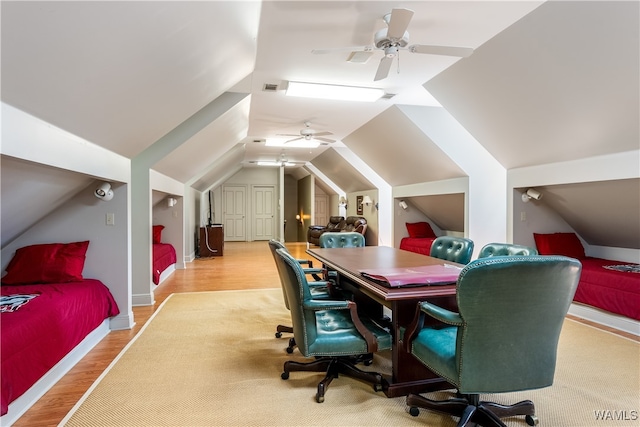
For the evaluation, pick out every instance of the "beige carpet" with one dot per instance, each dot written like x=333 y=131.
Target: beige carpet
x=211 y=359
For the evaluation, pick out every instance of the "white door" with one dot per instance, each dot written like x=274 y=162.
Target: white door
x=264 y=211
x=235 y=207
x=321 y=207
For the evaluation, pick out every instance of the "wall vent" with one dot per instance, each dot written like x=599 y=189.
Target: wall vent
x=270 y=87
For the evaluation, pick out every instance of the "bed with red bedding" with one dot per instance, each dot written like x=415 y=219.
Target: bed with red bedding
x=609 y=285
x=421 y=236
x=164 y=256
x=47 y=308
x=41 y=332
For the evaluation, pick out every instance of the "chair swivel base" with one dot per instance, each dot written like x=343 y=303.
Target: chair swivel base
x=333 y=366
x=472 y=411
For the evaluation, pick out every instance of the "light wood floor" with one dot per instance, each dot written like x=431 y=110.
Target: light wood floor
x=244 y=266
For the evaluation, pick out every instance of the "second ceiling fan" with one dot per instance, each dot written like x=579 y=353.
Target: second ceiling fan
x=394 y=38
x=309 y=134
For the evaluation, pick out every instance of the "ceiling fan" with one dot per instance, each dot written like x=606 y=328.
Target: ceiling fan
x=391 y=40
x=308 y=134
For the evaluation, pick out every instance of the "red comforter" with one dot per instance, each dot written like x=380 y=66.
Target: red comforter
x=41 y=332
x=420 y=245
x=614 y=291
x=164 y=255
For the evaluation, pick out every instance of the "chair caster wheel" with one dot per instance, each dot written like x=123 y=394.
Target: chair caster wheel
x=284 y=375
x=413 y=411
x=289 y=350
x=278 y=334
x=532 y=420
x=319 y=398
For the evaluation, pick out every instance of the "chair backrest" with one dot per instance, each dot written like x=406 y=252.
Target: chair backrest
x=335 y=222
x=454 y=249
x=341 y=239
x=297 y=291
x=355 y=223
x=273 y=246
x=512 y=309
x=505 y=249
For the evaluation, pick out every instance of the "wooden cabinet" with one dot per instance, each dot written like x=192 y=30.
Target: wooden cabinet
x=212 y=240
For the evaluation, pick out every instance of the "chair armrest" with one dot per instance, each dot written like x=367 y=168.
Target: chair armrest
x=313 y=270
x=422 y=309
x=306 y=262
x=317 y=227
x=317 y=305
x=442 y=314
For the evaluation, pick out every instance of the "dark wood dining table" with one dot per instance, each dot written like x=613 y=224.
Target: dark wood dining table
x=408 y=374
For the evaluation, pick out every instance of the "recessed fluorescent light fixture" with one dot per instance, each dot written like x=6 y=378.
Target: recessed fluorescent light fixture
x=275 y=164
x=340 y=93
x=300 y=143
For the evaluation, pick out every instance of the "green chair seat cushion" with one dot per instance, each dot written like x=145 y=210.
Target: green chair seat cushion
x=336 y=335
x=436 y=348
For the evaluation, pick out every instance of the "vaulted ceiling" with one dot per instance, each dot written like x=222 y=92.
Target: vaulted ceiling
x=548 y=81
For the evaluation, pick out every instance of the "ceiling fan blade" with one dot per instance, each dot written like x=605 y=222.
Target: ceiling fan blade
x=324 y=139
x=288 y=134
x=343 y=49
x=462 y=52
x=324 y=133
x=383 y=68
x=399 y=22
x=294 y=139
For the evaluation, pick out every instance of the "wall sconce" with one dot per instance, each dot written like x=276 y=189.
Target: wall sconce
x=531 y=194
x=104 y=192
x=171 y=202
x=343 y=202
x=403 y=205
x=368 y=202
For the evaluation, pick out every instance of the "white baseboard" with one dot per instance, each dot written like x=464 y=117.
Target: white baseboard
x=621 y=323
x=122 y=322
x=19 y=406
x=142 y=299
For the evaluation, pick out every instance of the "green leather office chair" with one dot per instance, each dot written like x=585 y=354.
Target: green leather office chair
x=332 y=331
x=505 y=249
x=454 y=249
x=344 y=239
x=318 y=288
x=503 y=338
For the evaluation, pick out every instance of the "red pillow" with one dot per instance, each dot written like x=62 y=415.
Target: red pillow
x=157 y=233
x=566 y=244
x=47 y=263
x=420 y=229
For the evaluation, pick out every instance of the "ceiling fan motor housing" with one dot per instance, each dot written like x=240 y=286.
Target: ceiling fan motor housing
x=381 y=40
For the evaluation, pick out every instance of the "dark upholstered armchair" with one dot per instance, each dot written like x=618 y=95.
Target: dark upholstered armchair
x=336 y=223
x=341 y=240
x=454 y=249
x=356 y=224
x=505 y=249
x=331 y=331
x=318 y=288
x=503 y=338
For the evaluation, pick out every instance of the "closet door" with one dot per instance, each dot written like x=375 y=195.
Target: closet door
x=235 y=213
x=264 y=211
